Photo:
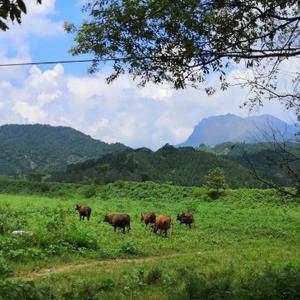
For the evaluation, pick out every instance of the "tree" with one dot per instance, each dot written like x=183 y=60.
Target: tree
x=216 y=179
x=181 y=42
x=11 y=10
x=282 y=155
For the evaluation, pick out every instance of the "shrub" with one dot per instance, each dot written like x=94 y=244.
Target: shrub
x=81 y=238
x=89 y=191
x=153 y=276
x=267 y=284
x=129 y=247
x=106 y=284
x=5 y=271
x=24 y=291
x=25 y=254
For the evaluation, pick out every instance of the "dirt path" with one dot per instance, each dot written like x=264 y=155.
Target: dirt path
x=67 y=268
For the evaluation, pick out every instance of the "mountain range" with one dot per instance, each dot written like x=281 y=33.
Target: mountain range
x=216 y=130
x=65 y=154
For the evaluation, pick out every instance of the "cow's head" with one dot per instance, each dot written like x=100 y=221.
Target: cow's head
x=142 y=217
x=179 y=217
x=106 y=218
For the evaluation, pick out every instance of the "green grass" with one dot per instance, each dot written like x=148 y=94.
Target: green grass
x=243 y=232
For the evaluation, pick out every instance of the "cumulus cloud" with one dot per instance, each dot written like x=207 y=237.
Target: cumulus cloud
x=119 y=112
x=37 y=22
x=31 y=113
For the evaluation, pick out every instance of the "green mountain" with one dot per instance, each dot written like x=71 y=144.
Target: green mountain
x=27 y=148
x=181 y=166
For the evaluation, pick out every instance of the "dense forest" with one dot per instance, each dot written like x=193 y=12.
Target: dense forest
x=44 y=148
x=181 y=166
x=185 y=166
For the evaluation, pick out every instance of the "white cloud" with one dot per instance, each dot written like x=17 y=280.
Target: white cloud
x=119 y=112
x=30 y=113
x=161 y=92
x=37 y=22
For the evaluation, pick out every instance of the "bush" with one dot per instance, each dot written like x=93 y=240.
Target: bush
x=129 y=247
x=5 y=271
x=24 y=291
x=106 y=284
x=267 y=284
x=81 y=238
x=25 y=254
x=153 y=276
x=89 y=191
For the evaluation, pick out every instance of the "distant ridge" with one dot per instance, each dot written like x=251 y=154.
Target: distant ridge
x=45 y=148
x=216 y=130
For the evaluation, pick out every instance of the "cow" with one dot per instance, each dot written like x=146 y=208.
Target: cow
x=84 y=211
x=121 y=221
x=148 y=218
x=163 y=224
x=186 y=218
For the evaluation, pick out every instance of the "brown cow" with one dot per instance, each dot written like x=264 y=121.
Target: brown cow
x=163 y=224
x=148 y=218
x=186 y=218
x=84 y=211
x=121 y=221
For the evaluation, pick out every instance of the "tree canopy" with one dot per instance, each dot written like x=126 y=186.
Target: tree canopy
x=181 y=42
x=216 y=179
x=12 y=10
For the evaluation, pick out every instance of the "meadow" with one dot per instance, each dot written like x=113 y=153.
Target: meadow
x=244 y=245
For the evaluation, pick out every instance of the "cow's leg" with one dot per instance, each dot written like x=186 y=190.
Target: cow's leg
x=115 y=228
x=80 y=217
x=124 y=230
x=128 y=228
x=190 y=225
x=165 y=232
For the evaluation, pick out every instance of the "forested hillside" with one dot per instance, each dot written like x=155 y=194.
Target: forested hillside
x=187 y=166
x=279 y=163
x=181 y=166
x=27 y=148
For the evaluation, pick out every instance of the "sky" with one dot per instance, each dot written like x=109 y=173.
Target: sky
x=67 y=95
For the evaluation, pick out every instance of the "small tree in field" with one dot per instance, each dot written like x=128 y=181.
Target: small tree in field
x=215 y=179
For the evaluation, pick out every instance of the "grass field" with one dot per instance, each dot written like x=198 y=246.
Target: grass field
x=244 y=244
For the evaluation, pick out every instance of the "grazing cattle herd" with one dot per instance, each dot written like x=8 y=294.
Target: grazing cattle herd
x=161 y=224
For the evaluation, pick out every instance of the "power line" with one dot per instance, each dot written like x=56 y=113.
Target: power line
x=58 y=62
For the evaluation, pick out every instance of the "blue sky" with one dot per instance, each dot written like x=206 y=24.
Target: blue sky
x=67 y=95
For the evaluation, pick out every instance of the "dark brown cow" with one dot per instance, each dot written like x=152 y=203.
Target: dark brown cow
x=121 y=221
x=84 y=211
x=186 y=218
x=148 y=218
x=163 y=224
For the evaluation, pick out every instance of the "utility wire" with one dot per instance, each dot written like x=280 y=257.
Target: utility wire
x=59 y=62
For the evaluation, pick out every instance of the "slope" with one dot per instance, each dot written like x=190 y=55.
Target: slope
x=27 y=148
